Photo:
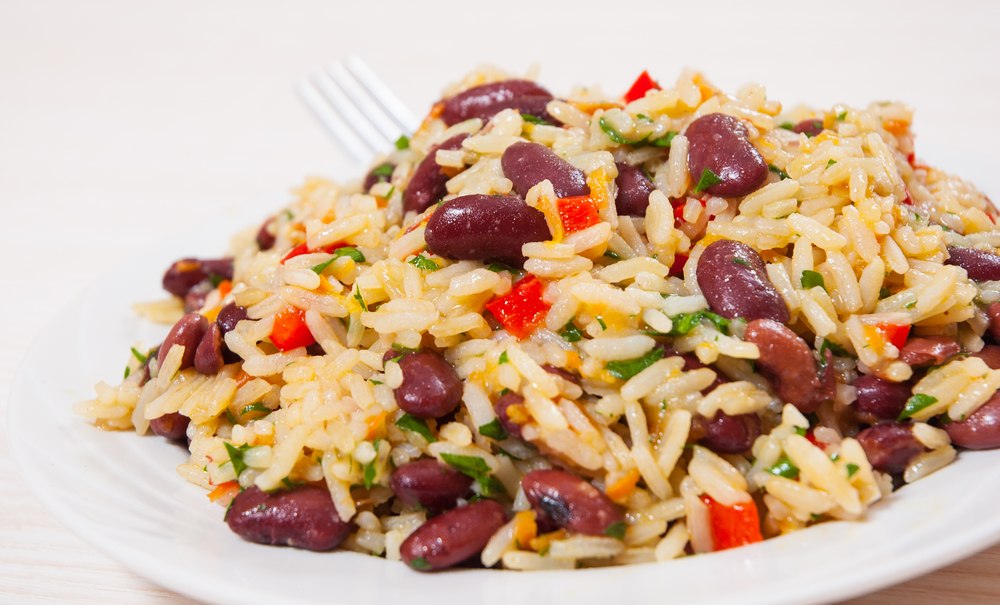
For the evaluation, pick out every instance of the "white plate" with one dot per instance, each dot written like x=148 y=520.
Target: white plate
x=120 y=493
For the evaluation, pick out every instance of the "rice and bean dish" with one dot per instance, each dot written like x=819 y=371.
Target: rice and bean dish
x=557 y=332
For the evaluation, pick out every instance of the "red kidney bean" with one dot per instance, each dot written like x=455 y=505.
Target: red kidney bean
x=980 y=430
x=719 y=143
x=304 y=518
x=428 y=483
x=150 y=356
x=570 y=502
x=561 y=373
x=430 y=387
x=980 y=265
x=453 y=537
x=500 y=407
x=879 y=399
x=208 y=358
x=725 y=434
x=477 y=101
x=890 y=446
x=533 y=105
x=733 y=278
x=377 y=175
x=809 y=127
x=265 y=239
x=991 y=355
x=993 y=312
x=486 y=228
x=171 y=426
x=229 y=316
x=197 y=295
x=188 y=331
x=527 y=164
x=634 y=188
x=187 y=273
x=428 y=183
x=788 y=364
x=929 y=350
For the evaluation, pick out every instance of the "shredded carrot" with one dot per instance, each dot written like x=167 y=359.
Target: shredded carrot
x=542 y=542
x=228 y=489
x=896 y=126
x=376 y=427
x=225 y=287
x=621 y=490
x=525 y=528
x=598 y=182
x=213 y=314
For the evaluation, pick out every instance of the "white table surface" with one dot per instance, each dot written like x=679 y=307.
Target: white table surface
x=121 y=122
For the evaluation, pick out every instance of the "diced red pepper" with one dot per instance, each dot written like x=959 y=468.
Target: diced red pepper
x=678 y=205
x=677 y=269
x=908 y=200
x=522 y=309
x=732 y=526
x=577 y=213
x=642 y=84
x=290 y=330
x=811 y=437
x=894 y=333
x=303 y=248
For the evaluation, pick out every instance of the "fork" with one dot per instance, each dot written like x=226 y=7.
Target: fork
x=357 y=108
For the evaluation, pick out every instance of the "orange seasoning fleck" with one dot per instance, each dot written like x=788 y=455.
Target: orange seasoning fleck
x=896 y=126
x=732 y=526
x=622 y=489
x=225 y=287
x=224 y=493
x=525 y=529
x=376 y=427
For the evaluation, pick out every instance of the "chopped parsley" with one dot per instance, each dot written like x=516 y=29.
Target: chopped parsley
x=786 y=125
x=232 y=419
x=812 y=279
x=236 y=457
x=422 y=262
x=416 y=425
x=616 y=530
x=834 y=348
x=370 y=470
x=842 y=115
x=830 y=163
x=781 y=173
x=800 y=431
x=740 y=261
x=570 y=332
x=255 y=407
x=476 y=467
x=851 y=469
x=911 y=304
x=685 y=322
x=612 y=255
x=498 y=267
x=403 y=142
x=318 y=269
x=784 y=468
x=884 y=293
x=354 y=253
x=600 y=321
x=915 y=404
x=527 y=117
x=619 y=138
x=360 y=299
x=420 y=563
x=708 y=179
x=628 y=368
x=503 y=359
x=493 y=429
x=128 y=371
x=383 y=170
x=138 y=355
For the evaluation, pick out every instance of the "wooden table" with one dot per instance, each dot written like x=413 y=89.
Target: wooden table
x=120 y=122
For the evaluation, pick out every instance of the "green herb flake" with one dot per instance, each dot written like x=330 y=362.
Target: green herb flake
x=318 y=269
x=815 y=517
x=370 y=471
x=835 y=457
x=911 y=304
x=503 y=452
x=216 y=279
x=498 y=267
x=354 y=253
x=255 y=407
x=612 y=255
x=616 y=530
x=740 y=261
x=360 y=299
x=800 y=431
x=630 y=367
x=383 y=170
x=781 y=173
x=915 y=404
x=527 y=117
x=288 y=215
x=600 y=321
x=784 y=468
x=128 y=371
x=373 y=381
x=503 y=359
x=613 y=134
x=476 y=467
x=420 y=564
x=708 y=179
x=422 y=262
x=851 y=469
x=493 y=429
x=685 y=322
x=812 y=279
x=830 y=163
x=786 y=125
x=570 y=332
x=403 y=142
x=834 y=348
x=842 y=116
x=138 y=355
x=236 y=457
x=416 y=425
x=643 y=117
x=232 y=419
x=884 y=293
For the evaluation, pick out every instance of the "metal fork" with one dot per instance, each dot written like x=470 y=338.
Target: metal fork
x=357 y=108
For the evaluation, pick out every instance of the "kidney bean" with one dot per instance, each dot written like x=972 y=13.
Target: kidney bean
x=372 y=177
x=788 y=364
x=428 y=483
x=266 y=239
x=430 y=387
x=809 y=127
x=171 y=426
x=890 y=446
x=485 y=227
x=208 y=357
x=500 y=407
x=304 y=518
x=570 y=502
x=196 y=296
x=453 y=537
x=188 y=331
x=993 y=313
x=733 y=278
x=634 y=188
x=981 y=429
x=527 y=164
x=533 y=105
x=427 y=185
x=879 y=399
x=929 y=350
x=561 y=373
x=980 y=265
x=187 y=273
x=229 y=316
x=477 y=101
x=991 y=355
x=725 y=434
x=720 y=143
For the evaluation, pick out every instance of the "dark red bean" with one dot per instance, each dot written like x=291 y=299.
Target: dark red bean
x=428 y=184
x=725 y=434
x=265 y=237
x=144 y=368
x=879 y=399
x=561 y=373
x=719 y=143
x=500 y=407
x=430 y=484
x=304 y=518
x=453 y=537
x=229 y=316
x=486 y=228
x=477 y=102
x=981 y=430
x=188 y=331
x=187 y=273
x=634 y=188
x=809 y=128
x=170 y=426
x=430 y=387
x=195 y=299
x=527 y=164
x=570 y=502
x=993 y=312
x=980 y=265
x=379 y=174
x=929 y=350
x=991 y=355
x=208 y=358
x=534 y=105
x=788 y=364
x=733 y=278
x=890 y=446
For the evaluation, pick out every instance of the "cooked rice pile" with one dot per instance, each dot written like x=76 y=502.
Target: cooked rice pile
x=850 y=204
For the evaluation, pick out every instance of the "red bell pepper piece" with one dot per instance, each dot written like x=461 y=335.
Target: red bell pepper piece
x=642 y=84
x=893 y=333
x=677 y=269
x=577 y=213
x=290 y=330
x=303 y=248
x=522 y=309
x=732 y=526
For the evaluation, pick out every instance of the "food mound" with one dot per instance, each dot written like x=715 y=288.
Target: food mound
x=549 y=333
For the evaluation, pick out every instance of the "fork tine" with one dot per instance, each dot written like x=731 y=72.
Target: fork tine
x=382 y=94
x=333 y=122
x=368 y=106
x=372 y=137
